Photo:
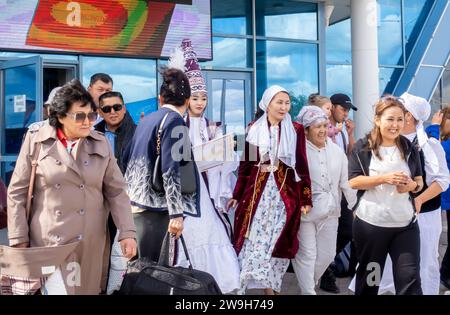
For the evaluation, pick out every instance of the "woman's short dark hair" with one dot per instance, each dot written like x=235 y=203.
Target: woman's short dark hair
x=69 y=94
x=175 y=89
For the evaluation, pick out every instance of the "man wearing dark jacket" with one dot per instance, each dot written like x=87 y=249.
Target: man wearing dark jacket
x=117 y=124
x=118 y=127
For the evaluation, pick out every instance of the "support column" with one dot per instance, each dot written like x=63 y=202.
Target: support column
x=364 y=62
x=324 y=13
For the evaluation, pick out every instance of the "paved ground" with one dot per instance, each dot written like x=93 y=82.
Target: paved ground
x=290 y=286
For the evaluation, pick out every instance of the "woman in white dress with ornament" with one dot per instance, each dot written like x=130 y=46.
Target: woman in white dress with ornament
x=208 y=237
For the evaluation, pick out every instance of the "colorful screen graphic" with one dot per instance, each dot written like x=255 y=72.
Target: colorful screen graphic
x=107 y=27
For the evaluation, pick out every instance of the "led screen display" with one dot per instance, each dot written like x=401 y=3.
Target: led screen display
x=138 y=28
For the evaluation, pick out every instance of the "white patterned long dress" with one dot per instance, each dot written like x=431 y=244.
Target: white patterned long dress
x=259 y=269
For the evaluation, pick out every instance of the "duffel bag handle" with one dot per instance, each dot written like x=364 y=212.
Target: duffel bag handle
x=164 y=255
x=183 y=243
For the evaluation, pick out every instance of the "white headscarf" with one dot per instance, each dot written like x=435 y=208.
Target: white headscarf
x=421 y=110
x=259 y=133
x=311 y=115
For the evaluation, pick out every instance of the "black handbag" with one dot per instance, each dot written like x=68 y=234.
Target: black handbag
x=146 y=277
x=187 y=169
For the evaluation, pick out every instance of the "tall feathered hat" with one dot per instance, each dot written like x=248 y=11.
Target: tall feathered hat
x=185 y=58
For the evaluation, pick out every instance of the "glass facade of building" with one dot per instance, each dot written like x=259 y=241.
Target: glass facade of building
x=441 y=96
x=399 y=25
x=276 y=48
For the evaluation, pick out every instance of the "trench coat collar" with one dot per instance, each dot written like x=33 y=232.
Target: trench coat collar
x=92 y=144
x=49 y=132
x=46 y=132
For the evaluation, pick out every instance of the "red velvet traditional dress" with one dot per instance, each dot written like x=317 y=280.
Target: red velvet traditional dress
x=267 y=217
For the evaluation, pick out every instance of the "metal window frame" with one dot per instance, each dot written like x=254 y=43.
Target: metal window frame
x=416 y=44
x=402 y=17
x=440 y=82
x=232 y=75
x=10 y=64
x=320 y=42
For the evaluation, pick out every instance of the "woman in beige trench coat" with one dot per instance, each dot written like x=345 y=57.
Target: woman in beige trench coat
x=77 y=180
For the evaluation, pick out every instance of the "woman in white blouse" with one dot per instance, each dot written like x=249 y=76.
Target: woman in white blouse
x=385 y=168
x=329 y=177
x=428 y=200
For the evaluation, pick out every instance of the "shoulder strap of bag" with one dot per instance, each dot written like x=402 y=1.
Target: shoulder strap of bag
x=32 y=177
x=158 y=137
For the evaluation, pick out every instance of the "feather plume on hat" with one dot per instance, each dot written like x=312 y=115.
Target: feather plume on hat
x=177 y=60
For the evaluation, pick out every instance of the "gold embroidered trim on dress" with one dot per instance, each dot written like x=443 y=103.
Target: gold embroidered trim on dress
x=307 y=192
x=282 y=175
x=259 y=179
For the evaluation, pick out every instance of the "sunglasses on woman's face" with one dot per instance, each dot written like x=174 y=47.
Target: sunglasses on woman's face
x=107 y=109
x=80 y=117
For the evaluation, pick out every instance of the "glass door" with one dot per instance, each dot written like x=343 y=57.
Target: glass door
x=20 y=104
x=230 y=101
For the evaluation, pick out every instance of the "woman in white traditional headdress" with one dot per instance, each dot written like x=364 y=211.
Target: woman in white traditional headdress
x=208 y=237
x=436 y=180
x=273 y=188
x=328 y=167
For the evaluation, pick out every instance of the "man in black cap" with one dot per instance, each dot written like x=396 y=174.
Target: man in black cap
x=345 y=139
x=339 y=118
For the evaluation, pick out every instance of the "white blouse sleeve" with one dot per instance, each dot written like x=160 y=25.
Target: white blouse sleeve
x=442 y=176
x=223 y=178
x=349 y=193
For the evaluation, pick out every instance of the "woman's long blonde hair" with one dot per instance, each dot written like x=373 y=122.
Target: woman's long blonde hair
x=375 y=138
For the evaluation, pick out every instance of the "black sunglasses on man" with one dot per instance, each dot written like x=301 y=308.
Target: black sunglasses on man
x=107 y=109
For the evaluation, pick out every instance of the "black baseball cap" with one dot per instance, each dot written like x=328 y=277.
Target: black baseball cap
x=343 y=100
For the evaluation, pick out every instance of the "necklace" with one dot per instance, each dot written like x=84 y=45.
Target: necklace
x=390 y=155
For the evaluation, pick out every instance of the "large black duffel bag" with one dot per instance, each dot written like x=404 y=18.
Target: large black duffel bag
x=144 y=277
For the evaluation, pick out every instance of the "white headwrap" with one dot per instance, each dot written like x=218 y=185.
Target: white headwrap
x=421 y=110
x=259 y=133
x=311 y=115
